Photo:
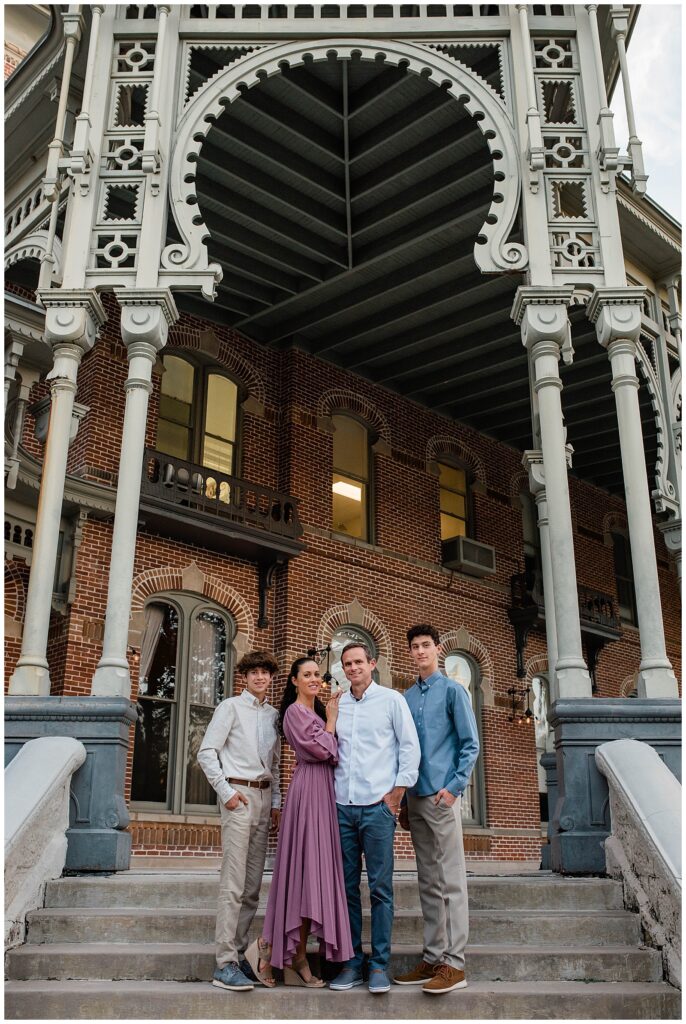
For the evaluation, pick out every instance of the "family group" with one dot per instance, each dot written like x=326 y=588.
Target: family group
x=371 y=759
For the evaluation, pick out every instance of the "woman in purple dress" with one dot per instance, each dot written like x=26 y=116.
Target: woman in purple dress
x=307 y=894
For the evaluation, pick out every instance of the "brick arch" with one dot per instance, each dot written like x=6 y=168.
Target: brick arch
x=535 y=667
x=15 y=593
x=519 y=482
x=614 y=521
x=340 y=400
x=154 y=581
x=186 y=337
x=462 y=640
x=442 y=444
x=355 y=614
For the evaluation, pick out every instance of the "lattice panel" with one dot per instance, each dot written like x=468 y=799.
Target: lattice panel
x=574 y=239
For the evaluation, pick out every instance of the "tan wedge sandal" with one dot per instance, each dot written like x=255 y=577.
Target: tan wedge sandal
x=292 y=975
x=258 y=952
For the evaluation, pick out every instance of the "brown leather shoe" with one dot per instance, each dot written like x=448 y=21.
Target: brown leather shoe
x=418 y=975
x=445 y=979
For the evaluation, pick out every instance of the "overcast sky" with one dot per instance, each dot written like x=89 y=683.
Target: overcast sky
x=654 y=55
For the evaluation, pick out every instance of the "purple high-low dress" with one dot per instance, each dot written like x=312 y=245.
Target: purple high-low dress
x=308 y=871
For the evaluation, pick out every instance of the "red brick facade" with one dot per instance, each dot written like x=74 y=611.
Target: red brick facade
x=286 y=443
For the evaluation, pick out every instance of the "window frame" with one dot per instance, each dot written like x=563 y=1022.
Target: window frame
x=188 y=607
x=624 y=535
x=204 y=368
x=368 y=482
x=454 y=462
x=478 y=773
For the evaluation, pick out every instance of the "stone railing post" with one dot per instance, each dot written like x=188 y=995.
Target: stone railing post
x=71 y=321
x=542 y=314
x=145 y=320
x=616 y=313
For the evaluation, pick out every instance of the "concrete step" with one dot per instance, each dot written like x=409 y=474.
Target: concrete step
x=485 y=1000
x=559 y=927
x=199 y=891
x=195 y=962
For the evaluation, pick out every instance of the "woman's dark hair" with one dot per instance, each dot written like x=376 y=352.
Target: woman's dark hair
x=290 y=694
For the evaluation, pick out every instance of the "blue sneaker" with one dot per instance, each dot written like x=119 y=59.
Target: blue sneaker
x=349 y=977
x=231 y=977
x=378 y=980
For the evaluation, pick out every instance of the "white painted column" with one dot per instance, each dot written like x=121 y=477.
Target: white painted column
x=616 y=313
x=71 y=321
x=533 y=463
x=145 y=320
x=542 y=313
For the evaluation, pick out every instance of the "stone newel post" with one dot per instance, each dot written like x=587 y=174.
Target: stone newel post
x=616 y=313
x=145 y=320
x=71 y=322
x=542 y=313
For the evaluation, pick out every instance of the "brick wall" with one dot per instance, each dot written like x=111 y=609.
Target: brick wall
x=396 y=578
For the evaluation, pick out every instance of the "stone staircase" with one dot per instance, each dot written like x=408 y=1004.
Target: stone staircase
x=140 y=945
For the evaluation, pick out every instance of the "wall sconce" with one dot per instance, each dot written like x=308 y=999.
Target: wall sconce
x=134 y=654
x=316 y=653
x=517 y=715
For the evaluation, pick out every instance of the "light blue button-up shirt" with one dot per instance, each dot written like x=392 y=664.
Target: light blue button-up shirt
x=378 y=747
x=447 y=732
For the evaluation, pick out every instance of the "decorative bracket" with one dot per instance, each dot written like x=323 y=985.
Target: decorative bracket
x=266 y=574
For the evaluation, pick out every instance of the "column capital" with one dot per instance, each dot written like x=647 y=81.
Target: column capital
x=616 y=313
x=73 y=316
x=532 y=460
x=146 y=316
x=542 y=315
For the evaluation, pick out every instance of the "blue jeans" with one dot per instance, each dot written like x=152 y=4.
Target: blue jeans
x=368 y=830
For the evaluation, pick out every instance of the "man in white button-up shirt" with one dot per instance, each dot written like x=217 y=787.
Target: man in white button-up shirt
x=378 y=758
x=240 y=757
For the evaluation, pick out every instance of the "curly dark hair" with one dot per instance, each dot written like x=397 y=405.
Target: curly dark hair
x=290 y=694
x=423 y=630
x=258 y=659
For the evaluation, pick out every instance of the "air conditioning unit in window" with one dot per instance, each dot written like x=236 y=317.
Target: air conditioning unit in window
x=468 y=556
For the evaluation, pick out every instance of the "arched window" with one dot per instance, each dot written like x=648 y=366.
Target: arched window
x=350 y=480
x=198 y=416
x=465 y=671
x=343 y=636
x=184 y=672
x=540 y=690
x=455 y=500
x=624 y=575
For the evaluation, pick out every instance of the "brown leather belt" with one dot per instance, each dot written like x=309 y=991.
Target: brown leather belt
x=264 y=784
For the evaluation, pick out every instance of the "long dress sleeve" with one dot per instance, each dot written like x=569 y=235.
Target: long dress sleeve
x=306 y=733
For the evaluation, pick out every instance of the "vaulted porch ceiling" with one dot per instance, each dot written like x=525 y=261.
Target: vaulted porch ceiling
x=343 y=200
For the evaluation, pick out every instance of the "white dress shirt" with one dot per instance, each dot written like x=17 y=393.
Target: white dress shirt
x=378 y=747
x=242 y=742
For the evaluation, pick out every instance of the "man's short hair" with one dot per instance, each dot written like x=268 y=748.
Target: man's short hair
x=258 y=659
x=360 y=644
x=423 y=629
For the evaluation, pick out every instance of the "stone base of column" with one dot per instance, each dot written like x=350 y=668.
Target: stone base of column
x=96 y=840
x=657 y=682
x=572 y=680
x=580 y=821
x=111 y=679
x=549 y=764
x=30 y=679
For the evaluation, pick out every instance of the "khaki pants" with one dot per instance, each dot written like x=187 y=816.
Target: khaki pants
x=442 y=877
x=244 y=848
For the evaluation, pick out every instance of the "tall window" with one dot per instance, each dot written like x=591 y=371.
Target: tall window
x=464 y=670
x=184 y=673
x=350 y=481
x=198 y=415
x=531 y=543
x=624 y=574
x=454 y=493
x=343 y=636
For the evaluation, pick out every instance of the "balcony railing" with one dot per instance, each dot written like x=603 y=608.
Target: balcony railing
x=185 y=485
